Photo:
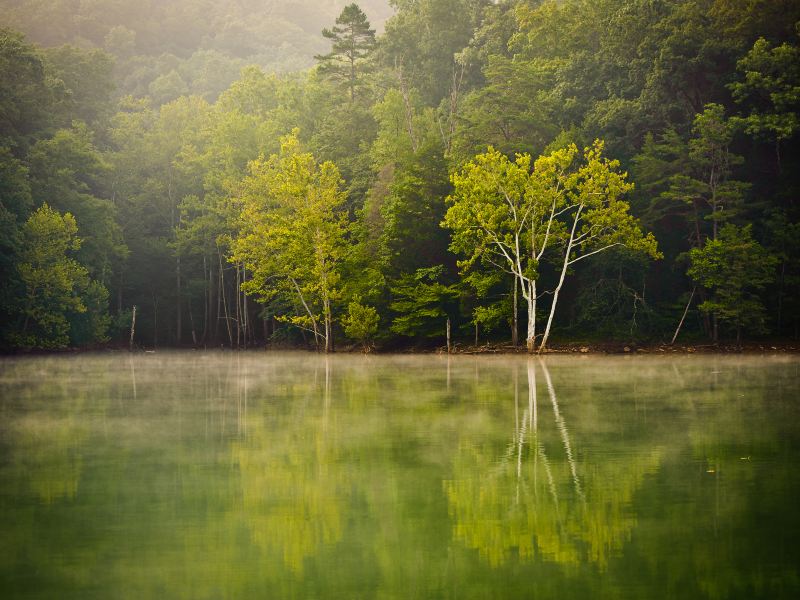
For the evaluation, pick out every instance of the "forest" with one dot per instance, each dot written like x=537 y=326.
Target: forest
x=295 y=174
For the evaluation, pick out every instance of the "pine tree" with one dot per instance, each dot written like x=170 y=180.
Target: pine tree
x=353 y=40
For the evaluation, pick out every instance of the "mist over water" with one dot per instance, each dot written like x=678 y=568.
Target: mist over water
x=214 y=475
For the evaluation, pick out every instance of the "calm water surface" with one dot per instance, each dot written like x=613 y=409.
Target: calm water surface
x=192 y=475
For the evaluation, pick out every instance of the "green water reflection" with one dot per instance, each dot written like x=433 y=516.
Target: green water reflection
x=192 y=475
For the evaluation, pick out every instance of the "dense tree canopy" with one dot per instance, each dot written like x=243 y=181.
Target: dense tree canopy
x=555 y=148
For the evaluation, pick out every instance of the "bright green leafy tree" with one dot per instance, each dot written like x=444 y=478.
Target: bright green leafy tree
x=361 y=322
x=565 y=209
x=55 y=284
x=292 y=234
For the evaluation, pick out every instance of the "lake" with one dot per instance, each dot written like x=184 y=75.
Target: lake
x=259 y=475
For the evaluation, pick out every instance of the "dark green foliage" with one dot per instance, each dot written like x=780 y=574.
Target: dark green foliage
x=412 y=237
x=15 y=205
x=341 y=137
x=422 y=303
x=703 y=181
x=26 y=96
x=734 y=268
x=91 y=327
x=770 y=92
x=69 y=173
x=783 y=304
x=423 y=39
x=501 y=113
x=85 y=81
x=15 y=189
x=612 y=298
x=11 y=288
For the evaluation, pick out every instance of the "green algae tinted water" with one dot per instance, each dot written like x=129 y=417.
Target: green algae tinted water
x=257 y=475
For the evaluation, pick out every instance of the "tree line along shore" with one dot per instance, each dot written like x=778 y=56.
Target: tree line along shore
x=483 y=176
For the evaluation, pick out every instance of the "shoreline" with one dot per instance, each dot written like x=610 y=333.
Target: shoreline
x=580 y=348
x=633 y=349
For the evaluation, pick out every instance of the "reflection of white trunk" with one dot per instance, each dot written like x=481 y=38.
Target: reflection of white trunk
x=327 y=396
x=529 y=419
x=517 y=436
x=562 y=428
x=244 y=417
x=532 y=404
x=550 y=481
x=520 y=443
x=238 y=388
x=133 y=376
x=540 y=454
x=532 y=412
x=516 y=401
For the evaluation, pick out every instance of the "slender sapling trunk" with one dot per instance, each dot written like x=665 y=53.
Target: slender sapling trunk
x=133 y=328
x=686 y=310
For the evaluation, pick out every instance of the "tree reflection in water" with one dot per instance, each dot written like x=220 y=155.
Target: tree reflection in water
x=299 y=476
x=291 y=488
x=579 y=510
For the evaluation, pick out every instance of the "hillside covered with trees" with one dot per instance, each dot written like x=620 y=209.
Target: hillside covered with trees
x=250 y=173
x=185 y=47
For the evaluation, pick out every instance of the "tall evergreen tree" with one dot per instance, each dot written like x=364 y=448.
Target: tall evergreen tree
x=353 y=40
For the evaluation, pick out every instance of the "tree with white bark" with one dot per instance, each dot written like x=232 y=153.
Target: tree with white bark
x=563 y=208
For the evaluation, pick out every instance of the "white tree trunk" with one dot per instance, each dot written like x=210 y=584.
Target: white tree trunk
x=543 y=345
x=564 y=268
x=530 y=296
x=311 y=317
x=514 y=324
x=328 y=327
